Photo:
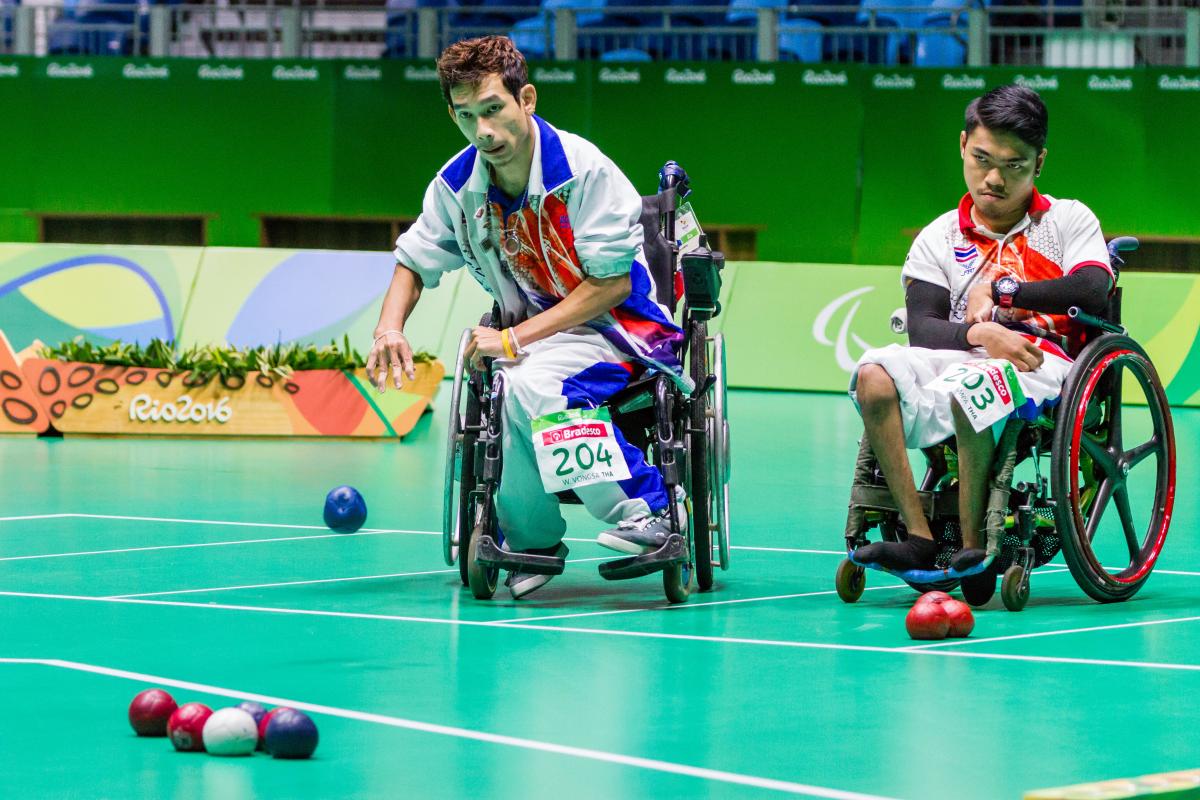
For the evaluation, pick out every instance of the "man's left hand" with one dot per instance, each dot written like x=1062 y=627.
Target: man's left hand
x=484 y=343
x=979 y=303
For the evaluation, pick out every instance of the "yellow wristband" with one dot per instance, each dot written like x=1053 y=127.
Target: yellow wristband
x=508 y=348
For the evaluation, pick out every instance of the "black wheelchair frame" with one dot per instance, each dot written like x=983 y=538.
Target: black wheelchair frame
x=686 y=434
x=1027 y=524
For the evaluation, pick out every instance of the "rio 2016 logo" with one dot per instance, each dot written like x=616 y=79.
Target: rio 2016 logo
x=840 y=344
x=144 y=408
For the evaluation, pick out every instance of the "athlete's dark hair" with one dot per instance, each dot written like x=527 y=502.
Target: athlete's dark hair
x=471 y=60
x=1013 y=109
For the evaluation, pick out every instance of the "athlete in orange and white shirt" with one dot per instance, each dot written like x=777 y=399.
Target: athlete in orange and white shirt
x=990 y=279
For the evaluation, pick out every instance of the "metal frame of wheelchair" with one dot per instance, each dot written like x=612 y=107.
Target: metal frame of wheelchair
x=1028 y=523
x=685 y=434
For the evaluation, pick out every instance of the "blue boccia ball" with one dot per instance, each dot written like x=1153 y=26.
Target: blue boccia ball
x=291 y=734
x=256 y=710
x=345 y=509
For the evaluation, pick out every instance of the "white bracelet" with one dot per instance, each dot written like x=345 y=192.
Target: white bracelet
x=516 y=345
x=385 y=333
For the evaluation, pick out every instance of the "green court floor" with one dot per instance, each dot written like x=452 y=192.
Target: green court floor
x=202 y=567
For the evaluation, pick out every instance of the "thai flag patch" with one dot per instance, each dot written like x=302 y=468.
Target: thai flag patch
x=965 y=255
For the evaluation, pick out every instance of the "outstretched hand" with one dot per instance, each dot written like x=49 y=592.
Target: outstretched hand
x=390 y=350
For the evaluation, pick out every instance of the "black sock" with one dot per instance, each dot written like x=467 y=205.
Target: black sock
x=966 y=558
x=913 y=553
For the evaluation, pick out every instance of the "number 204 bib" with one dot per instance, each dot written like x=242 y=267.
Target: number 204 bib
x=987 y=390
x=577 y=447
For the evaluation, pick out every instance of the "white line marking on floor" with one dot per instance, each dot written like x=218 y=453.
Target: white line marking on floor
x=34 y=516
x=656 y=765
x=506 y=625
x=683 y=606
x=788 y=550
x=309 y=582
x=195 y=544
x=1041 y=634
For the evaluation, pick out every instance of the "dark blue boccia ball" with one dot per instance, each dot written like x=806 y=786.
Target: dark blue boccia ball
x=291 y=734
x=256 y=710
x=345 y=509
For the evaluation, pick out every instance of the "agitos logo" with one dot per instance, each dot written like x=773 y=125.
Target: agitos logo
x=840 y=342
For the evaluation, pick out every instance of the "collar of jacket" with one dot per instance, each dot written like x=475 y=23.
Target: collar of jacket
x=548 y=172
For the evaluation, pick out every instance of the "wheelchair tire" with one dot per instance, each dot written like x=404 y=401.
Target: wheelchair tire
x=466 y=483
x=700 y=492
x=977 y=590
x=851 y=581
x=678 y=580
x=1104 y=465
x=481 y=579
x=452 y=520
x=1014 y=589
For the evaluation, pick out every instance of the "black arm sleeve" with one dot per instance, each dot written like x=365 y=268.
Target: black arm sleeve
x=929 y=325
x=1086 y=287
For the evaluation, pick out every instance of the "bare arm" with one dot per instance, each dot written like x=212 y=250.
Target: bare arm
x=588 y=300
x=391 y=346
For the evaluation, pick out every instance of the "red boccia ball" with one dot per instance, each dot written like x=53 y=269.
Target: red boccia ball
x=927 y=621
x=149 y=712
x=262 y=726
x=934 y=597
x=186 y=727
x=962 y=621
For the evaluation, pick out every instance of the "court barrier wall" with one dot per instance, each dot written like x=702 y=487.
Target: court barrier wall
x=834 y=163
x=788 y=326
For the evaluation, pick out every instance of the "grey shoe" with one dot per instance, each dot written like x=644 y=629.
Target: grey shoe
x=642 y=535
x=522 y=583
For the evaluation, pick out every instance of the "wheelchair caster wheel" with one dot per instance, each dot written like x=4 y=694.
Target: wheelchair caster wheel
x=851 y=581
x=678 y=580
x=480 y=578
x=1014 y=589
x=977 y=590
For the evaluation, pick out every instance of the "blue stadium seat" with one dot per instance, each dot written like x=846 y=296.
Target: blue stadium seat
x=534 y=35
x=89 y=28
x=891 y=48
x=940 y=50
x=800 y=39
x=745 y=12
x=626 y=54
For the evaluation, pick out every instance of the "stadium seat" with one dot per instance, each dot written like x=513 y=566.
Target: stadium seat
x=800 y=40
x=626 y=54
x=534 y=36
x=947 y=49
x=890 y=48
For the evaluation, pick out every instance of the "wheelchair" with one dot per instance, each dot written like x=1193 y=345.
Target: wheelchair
x=1028 y=522
x=684 y=433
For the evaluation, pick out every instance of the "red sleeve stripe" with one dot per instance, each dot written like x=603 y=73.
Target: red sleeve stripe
x=1104 y=266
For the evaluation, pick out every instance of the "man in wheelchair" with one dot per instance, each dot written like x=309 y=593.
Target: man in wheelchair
x=991 y=279
x=549 y=226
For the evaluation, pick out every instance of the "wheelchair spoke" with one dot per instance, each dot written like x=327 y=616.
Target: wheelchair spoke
x=1115 y=430
x=1131 y=539
x=1100 y=455
x=1139 y=453
x=1103 y=493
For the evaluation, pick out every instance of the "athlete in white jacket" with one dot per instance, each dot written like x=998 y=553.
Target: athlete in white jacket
x=548 y=225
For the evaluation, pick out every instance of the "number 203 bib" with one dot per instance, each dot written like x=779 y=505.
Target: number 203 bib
x=987 y=390
x=577 y=447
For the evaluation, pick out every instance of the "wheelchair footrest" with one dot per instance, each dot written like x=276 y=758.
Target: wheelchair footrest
x=928 y=575
x=489 y=555
x=675 y=550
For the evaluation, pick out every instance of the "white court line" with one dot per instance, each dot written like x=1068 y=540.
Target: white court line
x=1040 y=634
x=656 y=765
x=788 y=550
x=35 y=516
x=194 y=544
x=496 y=625
x=216 y=522
x=683 y=606
x=310 y=581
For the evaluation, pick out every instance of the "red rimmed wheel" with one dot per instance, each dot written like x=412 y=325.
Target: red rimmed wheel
x=1113 y=501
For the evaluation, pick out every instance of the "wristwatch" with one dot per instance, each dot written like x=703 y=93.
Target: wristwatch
x=1004 y=290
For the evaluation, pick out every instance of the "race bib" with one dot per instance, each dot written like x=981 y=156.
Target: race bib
x=687 y=229
x=987 y=390
x=577 y=447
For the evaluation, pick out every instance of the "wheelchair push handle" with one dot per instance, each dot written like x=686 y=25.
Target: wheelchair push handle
x=1092 y=321
x=673 y=176
x=1121 y=244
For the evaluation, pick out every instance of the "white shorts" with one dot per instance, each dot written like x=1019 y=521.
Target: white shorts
x=927 y=414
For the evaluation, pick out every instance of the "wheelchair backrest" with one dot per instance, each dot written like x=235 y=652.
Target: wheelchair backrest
x=660 y=255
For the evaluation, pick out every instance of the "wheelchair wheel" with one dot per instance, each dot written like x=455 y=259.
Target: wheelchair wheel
x=481 y=579
x=678 y=581
x=851 y=581
x=718 y=451
x=977 y=590
x=701 y=492
x=1014 y=589
x=1111 y=554
x=457 y=455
